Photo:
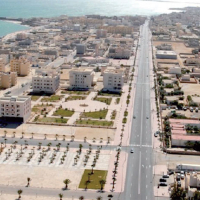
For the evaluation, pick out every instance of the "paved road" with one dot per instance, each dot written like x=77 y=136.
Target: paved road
x=139 y=176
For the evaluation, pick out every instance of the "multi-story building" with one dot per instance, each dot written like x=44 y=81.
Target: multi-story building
x=119 y=52
x=2 y=65
x=15 y=106
x=8 y=80
x=20 y=65
x=113 y=80
x=47 y=82
x=101 y=33
x=80 y=48
x=81 y=78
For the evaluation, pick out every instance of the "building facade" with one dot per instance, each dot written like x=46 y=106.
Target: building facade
x=46 y=82
x=2 y=65
x=20 y=65
x=16 y=106
x=8 y=80
x=81 y=78
x=113 y=80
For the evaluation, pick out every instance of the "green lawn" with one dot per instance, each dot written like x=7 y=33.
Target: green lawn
x=75 y=92
x=71 y=98
x=101 y=114
x=95 y=122
x=117 y=100
x=104 y=100
x=94 y=179
x=111 y=94
x=35 y=109
x=63 y=112
x=35 y=98
x=52 y=98
x=52 y=120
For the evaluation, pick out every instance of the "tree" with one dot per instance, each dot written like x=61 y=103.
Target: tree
x=178 y=193
x=61 y=196
x=196 y=195
x=102 y=183
x=110 y=196
x=66 y=182
x=19 y=193
x=28 y=181
x=81 y=197
x=86 y=184
x=99 y=198
x=80 y=147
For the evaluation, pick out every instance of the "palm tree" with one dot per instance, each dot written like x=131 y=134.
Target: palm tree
x=86 y=184
x=19 y=193
x=14 y=134
x=72 y=137
x=110 y=196
x=66 y=182
x=61 y=196
x=108 y=140
x=64 y=136
x=80 y=147
x=99 y=198
x=45 y=136
x=92 y=169
x=32 y=135
x=22 y=135
x=102 y=183
x=81 y=197
x=5 y=132
x=56 y=136
x=28 y=181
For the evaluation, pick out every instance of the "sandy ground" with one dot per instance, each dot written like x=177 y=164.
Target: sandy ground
x=44 y=174
x=29 y=197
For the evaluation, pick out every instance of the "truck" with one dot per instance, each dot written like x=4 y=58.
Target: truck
x=188 y=167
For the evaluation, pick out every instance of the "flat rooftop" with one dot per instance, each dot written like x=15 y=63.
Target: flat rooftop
x=14 y=98
x=166 y=52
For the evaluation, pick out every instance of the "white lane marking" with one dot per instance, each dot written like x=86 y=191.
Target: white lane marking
x=139 y=176
x=146 y=186
x=130 y=195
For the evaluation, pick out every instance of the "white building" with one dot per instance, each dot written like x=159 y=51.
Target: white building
x=47 y=82
x=81 y=78
x=174 y=70
x=113 y=80
x=15 y=106
x=166 y=55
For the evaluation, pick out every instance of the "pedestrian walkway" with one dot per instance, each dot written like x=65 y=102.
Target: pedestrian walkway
x=73 y=118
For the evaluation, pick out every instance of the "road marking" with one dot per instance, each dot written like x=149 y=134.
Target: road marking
x=146 y=186
x=139 y=177
x=137 y=145
x=130 y=195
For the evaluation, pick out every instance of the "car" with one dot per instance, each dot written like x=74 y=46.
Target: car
x=165 y=176
x=147 y=117
x=132 y=151
x=178 y=178
x=182 y=176
x=163 y=180
x=155 y=134
x=134 y=117
x=163 y=184
x=170 y=172
x=178 y=183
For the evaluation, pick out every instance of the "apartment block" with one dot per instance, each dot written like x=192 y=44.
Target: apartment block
x=15 y=106
x=8 y=80
x=2 y=65
x=20 y=65
x=101 y=33
x=119 y=52
x=81 y=78
x=47 y=82
x=113 y=80
x=80 y=48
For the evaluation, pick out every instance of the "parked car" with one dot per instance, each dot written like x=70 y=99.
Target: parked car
x=182 y=176
x=165 y=176
x=132 y=151
x=178 y=183
x=163 y=180
x=170 y=172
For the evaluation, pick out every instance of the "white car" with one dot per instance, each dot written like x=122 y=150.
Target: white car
x=132 y=151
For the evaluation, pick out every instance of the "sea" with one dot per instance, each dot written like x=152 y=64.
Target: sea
x=52 y=8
